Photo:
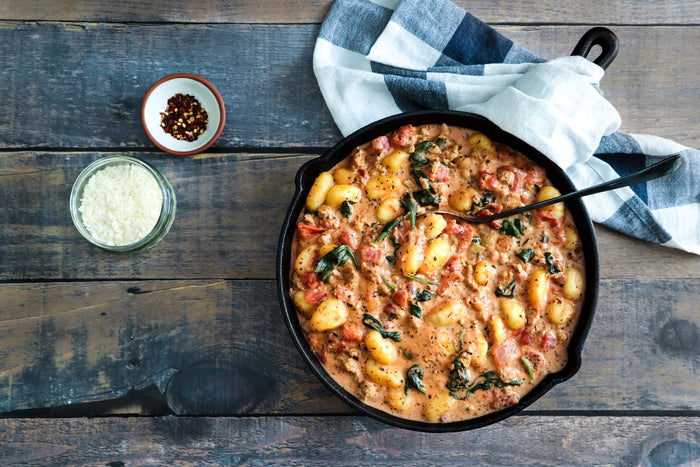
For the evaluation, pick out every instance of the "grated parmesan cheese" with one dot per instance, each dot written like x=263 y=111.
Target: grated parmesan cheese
x=121 y=204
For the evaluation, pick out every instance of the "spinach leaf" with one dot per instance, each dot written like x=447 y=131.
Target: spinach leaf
x=518 y=224
x=419 y=174
x=484 y=381
x=426 y=197
x=442 y=142
x=414 y=378
x=486 y=198
x=335 y=258
x=506 y=291
x=373 y=323
x=415 y=310
x=389 y=227
x=422 y=147
x=417 y=163
x=458 y=379
x=526 y=255
x=510 y=229
x=549 y=259
x=424 y=296
x=390 y=285
x=528 y=368
x=420 y=279
x=410 y=208
x=346 y=209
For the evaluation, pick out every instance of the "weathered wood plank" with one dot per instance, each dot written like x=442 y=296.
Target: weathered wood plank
x=292 y=441
x=214 y=347
x=81 y=85
x=313 y=11
x=224 y=228
x=220 y=348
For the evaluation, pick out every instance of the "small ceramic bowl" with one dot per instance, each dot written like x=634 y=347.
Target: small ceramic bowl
x=156 y=101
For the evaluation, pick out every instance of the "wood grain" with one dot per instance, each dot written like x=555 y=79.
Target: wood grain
x=81 y=85
x=313 y=11
x=224 y=228
x=220 y=347
x=292 y=441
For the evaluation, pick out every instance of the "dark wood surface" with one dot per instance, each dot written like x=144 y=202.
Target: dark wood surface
x=180 y=355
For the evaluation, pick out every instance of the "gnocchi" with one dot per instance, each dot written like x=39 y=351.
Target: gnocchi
x=319 y=190
x=337 y=194
x=382 y=185
x=330 y=314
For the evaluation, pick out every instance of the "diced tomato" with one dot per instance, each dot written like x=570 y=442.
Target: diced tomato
x=505 y=352
x=518 y=179
x=558 y=278
x=391 y=309
x=348 y=237
x=468 y=234
x=399 y=235
x=535 y=175
x=526 y=337
x=339 y=346
x=310 y=279
x=400 y=297
x=342 y=294
x=454 y=228
x=439 y=172
x=546 y=216
x=312 y=297
x=381 y=144
x=448 y=280
x=403 y=135
x=559 y=235
x=487 y=180
x=372 y=255
x=549 y=340
x=353 y=332
x=308 y=231
x=454 y=264
x=489 y=210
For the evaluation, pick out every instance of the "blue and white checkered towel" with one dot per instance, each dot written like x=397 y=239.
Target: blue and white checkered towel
x=378 y=58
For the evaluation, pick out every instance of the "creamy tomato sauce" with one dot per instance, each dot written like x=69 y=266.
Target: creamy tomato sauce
x=423 y=315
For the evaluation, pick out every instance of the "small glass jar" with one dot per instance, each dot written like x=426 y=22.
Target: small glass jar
x=162 y=225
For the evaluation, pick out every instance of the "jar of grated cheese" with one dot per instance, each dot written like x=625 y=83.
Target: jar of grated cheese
x=122 y=204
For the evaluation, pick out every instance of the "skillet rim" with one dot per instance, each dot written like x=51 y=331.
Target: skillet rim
x=307 y=174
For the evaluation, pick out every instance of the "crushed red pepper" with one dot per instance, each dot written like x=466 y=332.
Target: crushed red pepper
x=184 y=119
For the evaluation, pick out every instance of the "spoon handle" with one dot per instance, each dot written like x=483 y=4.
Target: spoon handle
x=660 y=169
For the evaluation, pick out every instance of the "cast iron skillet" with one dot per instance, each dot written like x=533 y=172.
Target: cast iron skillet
x=310 y=170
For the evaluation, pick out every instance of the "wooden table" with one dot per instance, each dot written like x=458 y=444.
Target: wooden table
x=179 y=355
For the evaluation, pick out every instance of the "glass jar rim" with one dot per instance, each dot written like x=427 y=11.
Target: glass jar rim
x=165 y=218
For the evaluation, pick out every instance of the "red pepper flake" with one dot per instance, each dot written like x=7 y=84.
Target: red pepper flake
x=184 y=119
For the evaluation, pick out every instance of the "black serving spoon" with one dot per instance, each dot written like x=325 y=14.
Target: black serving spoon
x=660 y=169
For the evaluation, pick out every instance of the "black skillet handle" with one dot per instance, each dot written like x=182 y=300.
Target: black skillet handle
x=603 y=37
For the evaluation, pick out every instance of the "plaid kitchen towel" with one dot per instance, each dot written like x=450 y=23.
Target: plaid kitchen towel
x=377 y=58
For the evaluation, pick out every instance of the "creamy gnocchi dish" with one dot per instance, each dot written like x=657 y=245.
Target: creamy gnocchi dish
x=423 y=315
